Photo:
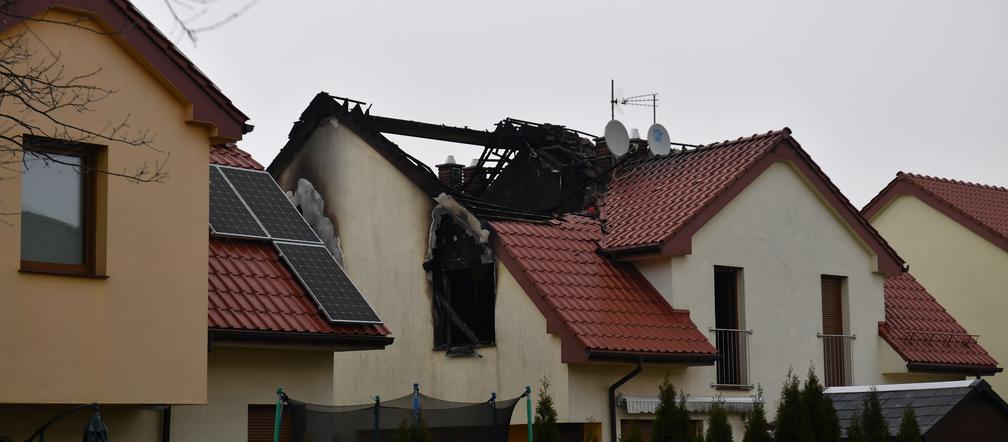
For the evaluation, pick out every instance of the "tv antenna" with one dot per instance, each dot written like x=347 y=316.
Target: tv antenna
x=646 y=100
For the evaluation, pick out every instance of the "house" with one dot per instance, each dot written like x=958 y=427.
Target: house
x=946 y=411
x=954 y=234
x=719 y=266
x=105 y=295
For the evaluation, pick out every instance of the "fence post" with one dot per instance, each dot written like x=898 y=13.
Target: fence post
x=377 y=404
x=279 y=412
x=416 y=404
x=528 y=411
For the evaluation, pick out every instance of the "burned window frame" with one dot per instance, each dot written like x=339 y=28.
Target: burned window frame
x=454 y=249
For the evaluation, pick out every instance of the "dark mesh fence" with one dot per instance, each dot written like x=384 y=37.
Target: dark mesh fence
x=447 y=421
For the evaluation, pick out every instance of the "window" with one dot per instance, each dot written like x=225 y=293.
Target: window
x=729 y=337
x=58 y=206
x=836 y=344
x=463 y=285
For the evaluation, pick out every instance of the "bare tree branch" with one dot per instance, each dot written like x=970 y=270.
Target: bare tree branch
x=189 y=26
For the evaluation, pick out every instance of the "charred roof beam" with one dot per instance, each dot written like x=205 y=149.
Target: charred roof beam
x=430 y=131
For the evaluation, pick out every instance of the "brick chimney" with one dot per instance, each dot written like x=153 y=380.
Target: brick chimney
x=450 y=172
x=473 y=176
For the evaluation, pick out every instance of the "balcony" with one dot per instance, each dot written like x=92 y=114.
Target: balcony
x=733 y=358
x=837 y=364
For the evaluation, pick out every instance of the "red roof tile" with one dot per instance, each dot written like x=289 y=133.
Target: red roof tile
x=230 y=155
x=982 y=208
x=649 y=201
x=656 y=205
x=607 y=307
x=251 y=289
x=922 y=332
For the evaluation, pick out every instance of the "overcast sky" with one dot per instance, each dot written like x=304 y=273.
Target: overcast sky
x=868 y=87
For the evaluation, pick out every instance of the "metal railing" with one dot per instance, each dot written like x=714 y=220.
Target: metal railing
x=733 y=357
x=837 y=360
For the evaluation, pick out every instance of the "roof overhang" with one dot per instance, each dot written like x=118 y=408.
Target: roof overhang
x=296 y=341
x=966 y=370
x=210 y=107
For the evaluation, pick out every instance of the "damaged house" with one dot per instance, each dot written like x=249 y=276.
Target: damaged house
x=719 y=266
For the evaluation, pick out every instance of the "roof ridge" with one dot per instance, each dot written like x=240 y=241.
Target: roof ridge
x=911 y=175
x=756 y=136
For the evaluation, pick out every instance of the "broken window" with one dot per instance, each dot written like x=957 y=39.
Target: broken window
x=461 y=271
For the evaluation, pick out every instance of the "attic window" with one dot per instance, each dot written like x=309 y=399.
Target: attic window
x=461 y=273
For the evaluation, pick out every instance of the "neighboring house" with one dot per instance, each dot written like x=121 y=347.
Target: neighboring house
x=265 y=331
x=720 y=266
x=954 y=235
x=104 y=286
x=946 y=411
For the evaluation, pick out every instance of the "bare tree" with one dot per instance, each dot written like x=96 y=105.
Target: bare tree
x=194 y=17
x=39 y=96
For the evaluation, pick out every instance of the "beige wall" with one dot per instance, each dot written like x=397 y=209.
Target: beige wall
x=383 y=222
x=138 y=336
x=124 y=422
x=784 y=237
x=967 y=274
x=239 y=377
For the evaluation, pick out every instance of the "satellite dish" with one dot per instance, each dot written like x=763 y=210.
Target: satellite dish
x=616 y=138
x=658 y=140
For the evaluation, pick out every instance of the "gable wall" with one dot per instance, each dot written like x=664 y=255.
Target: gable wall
x=383 y=221
x=140 y=335
x=784 y=237
x=966 y=274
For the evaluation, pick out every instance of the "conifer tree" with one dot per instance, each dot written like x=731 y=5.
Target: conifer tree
x=872 y=421
x=633 y=433
x=672 y=419
x=756 y=427
x=545 y=427
x=413 y=430
x=718 y=429
x=854 y=431
x=792 y=417
x=909 y=429
x=823 y=422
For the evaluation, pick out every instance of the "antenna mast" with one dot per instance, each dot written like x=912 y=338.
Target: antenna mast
x=647 y=100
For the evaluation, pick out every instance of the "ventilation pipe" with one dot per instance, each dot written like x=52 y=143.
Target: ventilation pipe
x=450 y=173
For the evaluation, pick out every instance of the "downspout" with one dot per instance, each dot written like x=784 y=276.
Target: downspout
x=166 y=421
x=612 y=398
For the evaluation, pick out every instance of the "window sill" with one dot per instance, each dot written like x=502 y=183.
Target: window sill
x=63 y=273
x=461 y=350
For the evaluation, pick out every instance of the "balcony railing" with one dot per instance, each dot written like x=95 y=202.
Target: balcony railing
x=837 y=360
x=733 y=357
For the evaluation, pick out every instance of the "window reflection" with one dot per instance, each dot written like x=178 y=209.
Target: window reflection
x=52 y=214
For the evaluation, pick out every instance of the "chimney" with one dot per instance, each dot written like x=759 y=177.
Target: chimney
x=473 y=176
x=450 y=172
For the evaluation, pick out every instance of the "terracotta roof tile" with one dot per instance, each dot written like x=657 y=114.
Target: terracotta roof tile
x=250 y=288
x=922 y=332
x=987 y=205
x=607 y=306
x=648 y=201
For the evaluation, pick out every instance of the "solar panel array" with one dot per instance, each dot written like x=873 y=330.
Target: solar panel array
x=249 y=204
x=228 y=214
x=269 y=204
x=327 y=283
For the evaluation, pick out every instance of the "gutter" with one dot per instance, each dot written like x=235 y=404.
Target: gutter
x=968 y=370
x=612 y=398
x=318 y=340
x=625 y=251
x=686 y=359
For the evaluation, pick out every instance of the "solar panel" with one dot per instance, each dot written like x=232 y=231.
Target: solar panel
x=269 y=204
x=228 y=214
x=326 y=281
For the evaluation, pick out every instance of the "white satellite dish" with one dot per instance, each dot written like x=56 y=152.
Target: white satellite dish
x=616 y=138
x=658 y=139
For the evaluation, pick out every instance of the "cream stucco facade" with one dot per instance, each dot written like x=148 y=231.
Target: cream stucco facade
x=962 y=270
x=779 y=231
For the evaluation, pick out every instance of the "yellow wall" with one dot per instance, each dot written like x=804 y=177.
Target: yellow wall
x=964 y=272
x=239 y=377
x=140 y=335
